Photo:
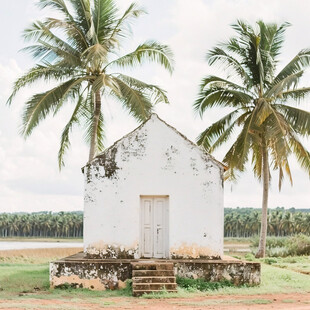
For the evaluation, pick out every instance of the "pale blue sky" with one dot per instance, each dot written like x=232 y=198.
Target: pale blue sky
x=29 y=176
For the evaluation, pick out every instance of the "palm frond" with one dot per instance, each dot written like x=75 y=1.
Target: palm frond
x=41 y=32
x=262 y=111
x=59 y=5
x=123 y=23
x=286 y=83
x=212 y=81
x=104 y=80
x=135 y=100
x=154 y=92
x=150 y=51
x=237 y=155
x=88 y=114
x=74 y=34
x=84 y=19
x=297 y=95
x=221 y=97
x=300 y=62
x=223 y=138
x=219 y=56
x=298 y=119
x=276 y=39
x=213 y=132
x=257 y=161
x=104 y=16
x=95 y=56
x=279 y=152
x=40 y=105
x=301 y=153
x=50 y=48
x=45 y=72
x=65 y=136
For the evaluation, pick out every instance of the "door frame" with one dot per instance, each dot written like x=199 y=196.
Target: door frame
x=165 y=225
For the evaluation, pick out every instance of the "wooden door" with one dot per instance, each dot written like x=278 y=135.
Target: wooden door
x=154 y=230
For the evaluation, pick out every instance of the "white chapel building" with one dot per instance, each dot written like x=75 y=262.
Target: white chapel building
x=154 y=194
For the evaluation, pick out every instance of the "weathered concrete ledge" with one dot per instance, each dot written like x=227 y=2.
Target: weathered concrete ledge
x=102 y=274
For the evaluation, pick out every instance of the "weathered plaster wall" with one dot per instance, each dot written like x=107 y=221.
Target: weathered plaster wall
x=153 y=160
x=238 y=273
x=91 y=275
x=112 y=274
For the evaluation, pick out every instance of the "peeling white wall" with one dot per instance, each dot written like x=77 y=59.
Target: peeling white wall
x=155 y=160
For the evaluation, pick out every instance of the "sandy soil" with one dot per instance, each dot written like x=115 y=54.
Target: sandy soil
x=256 y=302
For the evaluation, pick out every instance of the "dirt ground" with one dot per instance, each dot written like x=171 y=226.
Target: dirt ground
x=255 y=302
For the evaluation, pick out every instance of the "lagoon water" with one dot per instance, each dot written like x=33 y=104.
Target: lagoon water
x=15 y=245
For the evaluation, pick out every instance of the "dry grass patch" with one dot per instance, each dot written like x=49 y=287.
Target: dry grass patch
x=40 y=239
x=36 y=256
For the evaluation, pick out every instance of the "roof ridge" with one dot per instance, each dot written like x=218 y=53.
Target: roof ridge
x=152 y=116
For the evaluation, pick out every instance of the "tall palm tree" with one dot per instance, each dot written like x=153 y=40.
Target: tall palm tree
x=79 y=49
x=260 y=97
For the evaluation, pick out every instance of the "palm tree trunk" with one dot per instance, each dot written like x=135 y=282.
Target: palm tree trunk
x=263 y=232
x=93 y=142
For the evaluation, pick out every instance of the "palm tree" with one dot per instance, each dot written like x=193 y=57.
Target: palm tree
x=260 y=97
x=79 y=50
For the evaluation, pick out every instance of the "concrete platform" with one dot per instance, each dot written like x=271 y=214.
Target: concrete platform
x=102 y=274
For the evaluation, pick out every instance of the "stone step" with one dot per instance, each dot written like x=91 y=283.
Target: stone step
x=154 y=286
x=137 y=293
x=154 y=279
x=152 y=266
x=150 y=276
x=152 y=273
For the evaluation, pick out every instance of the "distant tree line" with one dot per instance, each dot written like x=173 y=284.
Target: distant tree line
x=43 y=224
x=245 y=222
x=240 y=222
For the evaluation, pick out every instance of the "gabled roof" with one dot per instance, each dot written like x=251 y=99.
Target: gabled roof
x=152 y=117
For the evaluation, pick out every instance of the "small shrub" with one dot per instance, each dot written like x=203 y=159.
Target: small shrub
x=298 y=245
x=64 y=286
x=271 y=242
x=201 y=284
x=128 y=289
x=270 y=261
x=284 y=246
x=249 y=257
x=290 y=260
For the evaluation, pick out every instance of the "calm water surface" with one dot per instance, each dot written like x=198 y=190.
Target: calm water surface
x=15 y=245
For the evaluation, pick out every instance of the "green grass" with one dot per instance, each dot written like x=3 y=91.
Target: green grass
x=296 y=263
x=274 y=280
x=19 y=278
x=32 y=280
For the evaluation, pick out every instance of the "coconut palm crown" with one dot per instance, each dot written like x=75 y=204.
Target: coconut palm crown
x=79 y=51
x=263 y=120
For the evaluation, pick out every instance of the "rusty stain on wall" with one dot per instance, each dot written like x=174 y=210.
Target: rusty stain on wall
x=193 y=251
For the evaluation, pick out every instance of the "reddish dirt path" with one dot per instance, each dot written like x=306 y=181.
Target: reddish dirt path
x=254 y=302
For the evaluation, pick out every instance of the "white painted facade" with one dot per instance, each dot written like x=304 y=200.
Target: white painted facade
x=154 y=193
